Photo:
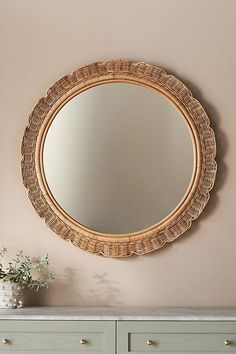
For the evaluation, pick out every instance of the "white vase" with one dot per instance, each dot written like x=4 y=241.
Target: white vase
x=10 y=294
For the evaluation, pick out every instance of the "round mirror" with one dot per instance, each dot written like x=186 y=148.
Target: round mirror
x=119 y=158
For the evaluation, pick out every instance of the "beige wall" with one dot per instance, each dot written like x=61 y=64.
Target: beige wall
x=42 y=40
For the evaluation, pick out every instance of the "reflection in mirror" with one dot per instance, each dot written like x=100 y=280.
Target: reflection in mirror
x=118 y=157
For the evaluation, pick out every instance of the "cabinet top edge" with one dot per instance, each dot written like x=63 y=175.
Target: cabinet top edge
x=120 y=314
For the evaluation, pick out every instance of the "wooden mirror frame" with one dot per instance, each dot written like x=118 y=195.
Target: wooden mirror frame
x=168 y=229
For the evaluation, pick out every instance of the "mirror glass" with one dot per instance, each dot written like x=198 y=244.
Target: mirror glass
x=118 y=157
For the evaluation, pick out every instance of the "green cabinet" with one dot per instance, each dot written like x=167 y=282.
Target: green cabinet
x=116 y=331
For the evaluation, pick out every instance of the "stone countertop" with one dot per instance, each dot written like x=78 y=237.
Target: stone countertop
x=119 y=313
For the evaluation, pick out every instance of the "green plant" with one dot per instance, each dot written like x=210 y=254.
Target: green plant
x=22 y=269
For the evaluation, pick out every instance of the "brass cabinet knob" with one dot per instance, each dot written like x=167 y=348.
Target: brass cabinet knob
x=83 y=341
x=149 y=342
x=5 y=341
x=227 y=342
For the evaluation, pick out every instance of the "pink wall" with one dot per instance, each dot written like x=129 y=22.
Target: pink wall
x=42 y=40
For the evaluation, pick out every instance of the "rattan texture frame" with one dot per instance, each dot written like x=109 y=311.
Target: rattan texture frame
x=157 y=235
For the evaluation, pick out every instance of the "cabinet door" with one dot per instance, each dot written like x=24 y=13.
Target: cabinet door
x=90 y=337
x=176 y=337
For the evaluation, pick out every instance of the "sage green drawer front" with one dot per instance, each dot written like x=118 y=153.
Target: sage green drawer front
x=58 y=336
x=172 y=337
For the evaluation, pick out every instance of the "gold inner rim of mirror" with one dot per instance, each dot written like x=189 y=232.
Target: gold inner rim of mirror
x=69 y=96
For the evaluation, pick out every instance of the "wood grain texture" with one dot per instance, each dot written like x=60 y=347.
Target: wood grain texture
x=172 y=337
x=58 y=336
x=167 y=229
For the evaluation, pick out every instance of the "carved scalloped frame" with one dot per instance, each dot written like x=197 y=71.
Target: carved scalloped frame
x=157 y=235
